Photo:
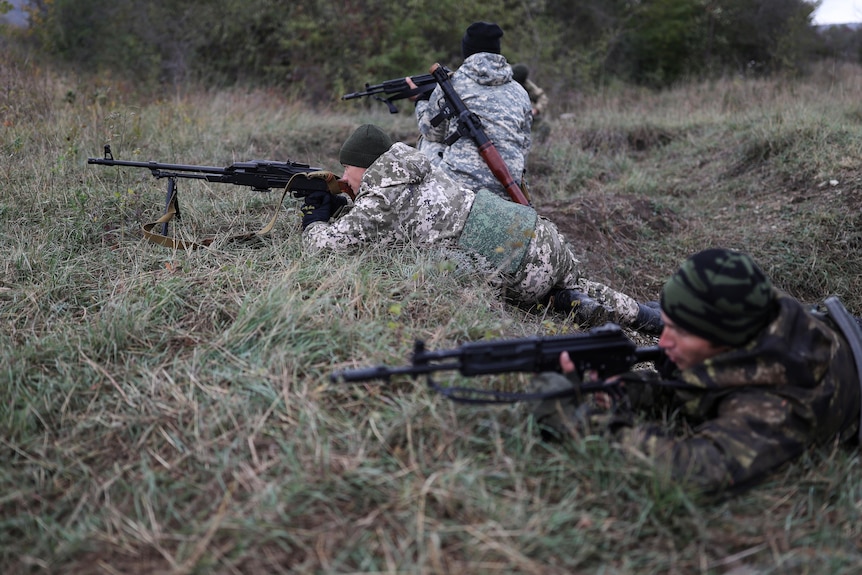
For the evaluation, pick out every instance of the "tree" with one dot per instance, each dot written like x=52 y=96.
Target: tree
x=324 y=48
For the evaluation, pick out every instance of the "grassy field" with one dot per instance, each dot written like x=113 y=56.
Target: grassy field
x=171 y=412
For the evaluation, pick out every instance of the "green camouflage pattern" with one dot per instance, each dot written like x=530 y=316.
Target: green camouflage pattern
x=719 y=295
x=758 y=406
x=501 y=231
x=403 y=199
x=484 y=83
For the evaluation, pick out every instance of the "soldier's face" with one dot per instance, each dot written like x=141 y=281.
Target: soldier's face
x=353 y=175
x=683 y=348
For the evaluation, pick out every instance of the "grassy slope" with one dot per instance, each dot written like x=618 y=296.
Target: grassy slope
x=171 y=412
x=770 y=167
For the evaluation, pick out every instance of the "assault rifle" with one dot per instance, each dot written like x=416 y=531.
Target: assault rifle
x=260 y=175
x=397 y=89
x=469 y=124
x=605 y=350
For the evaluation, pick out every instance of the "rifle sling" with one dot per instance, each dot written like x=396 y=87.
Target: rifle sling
x=853 y=335
x=492 y=396
x=178 y=244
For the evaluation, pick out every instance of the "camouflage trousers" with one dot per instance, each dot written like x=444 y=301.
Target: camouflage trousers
x=550 y=264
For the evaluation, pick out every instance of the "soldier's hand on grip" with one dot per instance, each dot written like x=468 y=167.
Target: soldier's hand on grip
x=316 y=207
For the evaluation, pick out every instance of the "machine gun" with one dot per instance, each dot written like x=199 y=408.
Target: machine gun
x=606 y=350
x=260 y=175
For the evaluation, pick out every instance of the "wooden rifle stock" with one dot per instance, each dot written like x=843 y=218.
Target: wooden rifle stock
x=470 y=125
x=498 y=167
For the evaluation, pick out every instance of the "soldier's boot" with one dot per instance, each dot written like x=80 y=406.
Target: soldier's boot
x=584 y=309
x=648 y=319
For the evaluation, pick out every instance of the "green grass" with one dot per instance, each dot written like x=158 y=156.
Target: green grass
x=171 y=412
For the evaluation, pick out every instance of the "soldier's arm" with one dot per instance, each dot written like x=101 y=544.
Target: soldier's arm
x=752 y=435
x=538 y=96
x=367 y=222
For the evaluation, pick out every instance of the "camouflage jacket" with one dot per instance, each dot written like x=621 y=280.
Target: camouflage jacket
x=537 y=97
x=758 y=406
x=401 y=198
x=484 y=82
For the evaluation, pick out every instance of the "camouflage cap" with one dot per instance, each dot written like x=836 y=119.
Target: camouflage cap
x=719 y=295
x=364 y=146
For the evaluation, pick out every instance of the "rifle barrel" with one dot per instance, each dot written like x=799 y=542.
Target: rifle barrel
x=157 y=166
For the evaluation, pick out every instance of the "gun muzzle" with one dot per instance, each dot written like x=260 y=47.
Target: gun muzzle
x=364 y=374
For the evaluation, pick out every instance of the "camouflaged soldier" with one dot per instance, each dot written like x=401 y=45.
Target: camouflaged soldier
x=484 y=83
x=541 y=129
x=759 y=376
x=401 y=198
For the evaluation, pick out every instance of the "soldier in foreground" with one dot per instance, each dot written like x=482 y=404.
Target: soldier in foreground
x=402 y=198
x=758 y=376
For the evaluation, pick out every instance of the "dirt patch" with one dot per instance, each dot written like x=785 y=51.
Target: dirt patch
x=600 y=220
x=638 y=139
x=608 y=234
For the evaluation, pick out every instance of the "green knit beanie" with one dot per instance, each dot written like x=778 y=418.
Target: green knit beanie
x=719 y=295
x=364 y=146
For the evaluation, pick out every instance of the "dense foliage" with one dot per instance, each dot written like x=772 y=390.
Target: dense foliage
x=321 y=48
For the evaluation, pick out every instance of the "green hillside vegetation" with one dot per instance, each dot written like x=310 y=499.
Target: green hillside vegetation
x=319 y=49
x=171 y=412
